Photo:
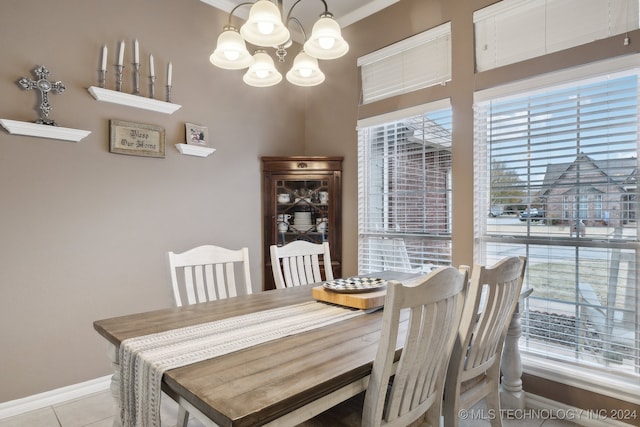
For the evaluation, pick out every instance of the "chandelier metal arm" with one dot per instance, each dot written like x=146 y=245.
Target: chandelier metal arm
x=326 y=8
x=289 y=17
x=297 y=21
x=281 y=50
x=235 y=8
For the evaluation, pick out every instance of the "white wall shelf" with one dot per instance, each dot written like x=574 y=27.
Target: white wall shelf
x=135 y=101
x=15 y=127
x=194 y=150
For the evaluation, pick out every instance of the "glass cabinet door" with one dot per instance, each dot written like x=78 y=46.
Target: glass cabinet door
x=302 y=210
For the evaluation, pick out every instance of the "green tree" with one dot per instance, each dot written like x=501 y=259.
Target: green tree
x=506 y=186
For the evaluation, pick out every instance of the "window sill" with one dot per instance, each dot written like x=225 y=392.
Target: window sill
x=605 y=384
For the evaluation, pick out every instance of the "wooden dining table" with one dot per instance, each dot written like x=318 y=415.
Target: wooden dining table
x=280 y=382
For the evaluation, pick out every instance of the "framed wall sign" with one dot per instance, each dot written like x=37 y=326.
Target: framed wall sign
x=197 y=135
x=136 y=139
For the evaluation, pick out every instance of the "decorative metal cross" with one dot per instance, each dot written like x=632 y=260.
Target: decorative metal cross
x=45 y=86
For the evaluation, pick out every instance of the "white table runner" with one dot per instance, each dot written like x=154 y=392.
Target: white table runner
x=144 y=359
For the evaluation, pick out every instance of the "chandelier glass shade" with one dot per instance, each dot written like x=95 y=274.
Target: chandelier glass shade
x=231 y=51
x=262 y=72
x=265 y=28
x=326 y=40
x=305 y=71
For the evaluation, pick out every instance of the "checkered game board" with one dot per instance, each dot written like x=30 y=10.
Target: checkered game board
x=355 y=284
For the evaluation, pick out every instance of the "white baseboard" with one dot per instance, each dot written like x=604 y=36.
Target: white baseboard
x=53 y=397
x=551 y=409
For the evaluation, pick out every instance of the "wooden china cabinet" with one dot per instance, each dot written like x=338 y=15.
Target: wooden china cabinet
x=301 y=201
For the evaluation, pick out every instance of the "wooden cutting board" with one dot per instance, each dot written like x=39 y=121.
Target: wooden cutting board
x=364 y=300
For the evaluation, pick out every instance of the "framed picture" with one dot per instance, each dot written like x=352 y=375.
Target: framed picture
x=136 y=139
x=197 y=135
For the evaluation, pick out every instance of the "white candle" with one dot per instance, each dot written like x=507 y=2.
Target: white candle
x=136 y=52
x=121 y=54
x=151 y=69
x=169 y=73
x=104 y=58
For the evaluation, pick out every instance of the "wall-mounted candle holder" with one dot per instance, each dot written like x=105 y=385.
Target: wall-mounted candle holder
x=152 y=86
x=136 y=70
x=136 y=78
x=119 y=69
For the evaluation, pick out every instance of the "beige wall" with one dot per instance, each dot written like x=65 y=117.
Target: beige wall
x=85 y=232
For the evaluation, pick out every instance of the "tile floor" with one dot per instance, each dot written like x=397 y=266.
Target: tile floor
x=97 y=410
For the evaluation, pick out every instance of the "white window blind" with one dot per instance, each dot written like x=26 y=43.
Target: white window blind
x=562 y=163
x=515 y=30
x=404 y=193
x=417 y=62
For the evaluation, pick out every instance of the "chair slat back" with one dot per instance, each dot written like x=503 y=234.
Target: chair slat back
x=474 y=368
x=208 y=273
x=434 y=307
x=492 y=298
x=298 y=263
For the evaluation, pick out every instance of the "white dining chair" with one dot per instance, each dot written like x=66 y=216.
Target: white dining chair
x=409 y=391
x=207 y=273
x=299 y=263
x=474 y=369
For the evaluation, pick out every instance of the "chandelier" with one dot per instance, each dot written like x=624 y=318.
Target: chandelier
x=265 y=28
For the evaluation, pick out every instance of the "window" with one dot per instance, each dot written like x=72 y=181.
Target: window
x=404 y=190
x=597 y=206
x=515 y=30
x=567 y=152
x=415 y=63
